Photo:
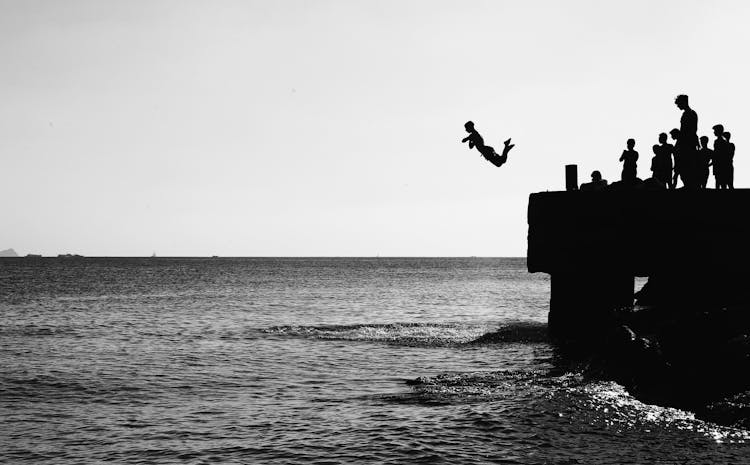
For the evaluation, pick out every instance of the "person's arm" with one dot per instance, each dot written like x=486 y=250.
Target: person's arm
x=471 y=138
x=622 y=157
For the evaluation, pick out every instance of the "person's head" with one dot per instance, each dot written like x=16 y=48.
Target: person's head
x=675 y=133
x=718 y=130
x=663 y=138
x=681 y=101
x=704 y=141
x=596 y=176
x=727 y=135
x=655 y=148
x=469 y=126
x=631 y=144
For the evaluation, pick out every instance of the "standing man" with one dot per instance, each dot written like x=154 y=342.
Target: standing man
x=721 y=157
x=705 y=156
x=730 y=161
x=675 y=134
x=663 y=153
x=687 y=141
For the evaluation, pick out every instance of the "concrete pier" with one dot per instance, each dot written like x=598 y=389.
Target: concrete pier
x=693 y=245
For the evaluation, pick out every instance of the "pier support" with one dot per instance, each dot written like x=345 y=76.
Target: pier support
x=693 y=244
x=580 y=302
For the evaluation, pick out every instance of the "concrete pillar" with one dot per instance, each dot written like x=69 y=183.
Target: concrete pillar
x=581 y=303
x=571 y=177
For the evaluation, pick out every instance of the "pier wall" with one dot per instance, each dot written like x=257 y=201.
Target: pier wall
x=693 y=245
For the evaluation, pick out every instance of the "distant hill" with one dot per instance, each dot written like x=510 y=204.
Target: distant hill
x=8 y=253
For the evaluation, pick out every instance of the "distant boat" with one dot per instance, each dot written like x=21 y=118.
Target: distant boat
x=153 y=255
x=69 y=255
x=33 y=255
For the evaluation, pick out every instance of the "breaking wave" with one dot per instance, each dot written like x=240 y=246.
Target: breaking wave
x=604 y=404
x=421 y=334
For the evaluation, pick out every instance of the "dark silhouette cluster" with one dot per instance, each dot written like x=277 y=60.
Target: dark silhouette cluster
x=686 y=160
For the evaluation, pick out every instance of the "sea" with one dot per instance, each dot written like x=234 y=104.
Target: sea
x=310 y=361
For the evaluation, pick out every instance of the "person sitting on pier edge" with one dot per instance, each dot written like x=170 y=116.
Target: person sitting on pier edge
x=730 y=161
x=721 y=157
x=705 y=158
x=687 y=141
x=596 y=184
x=476 y=140
x=675 y=133
x=629 y=158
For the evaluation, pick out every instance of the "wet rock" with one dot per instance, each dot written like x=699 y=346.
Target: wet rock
x=731 y=411
x=527 y=332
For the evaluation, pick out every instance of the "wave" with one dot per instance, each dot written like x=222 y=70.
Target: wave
x=490 y=385
x=622 y=410
x=421 y=334
x=604 y=404
x=516 y=331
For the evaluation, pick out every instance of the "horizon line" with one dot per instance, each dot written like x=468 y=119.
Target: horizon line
x=74 y=256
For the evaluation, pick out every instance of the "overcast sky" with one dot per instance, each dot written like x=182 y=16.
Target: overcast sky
x=333 y=128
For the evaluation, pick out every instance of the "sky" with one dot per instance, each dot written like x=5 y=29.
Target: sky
x=333 y=128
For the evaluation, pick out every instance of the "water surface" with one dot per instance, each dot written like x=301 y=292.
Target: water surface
x=309 y=360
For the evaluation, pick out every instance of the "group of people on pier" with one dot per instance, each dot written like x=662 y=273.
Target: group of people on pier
x=688 y=159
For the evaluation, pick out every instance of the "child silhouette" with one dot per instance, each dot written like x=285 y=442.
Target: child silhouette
x=476 y=140
x=629 y=158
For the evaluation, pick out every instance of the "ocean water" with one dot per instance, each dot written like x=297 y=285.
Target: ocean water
x=310 y=361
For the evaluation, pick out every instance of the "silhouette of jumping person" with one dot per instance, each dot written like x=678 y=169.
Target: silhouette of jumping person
x=721 y=158
x=661 y=164
x=629 y=158
x=675 y=133
x=730 y=161
x=687 y=141
x=476 y=140
x=705 y=158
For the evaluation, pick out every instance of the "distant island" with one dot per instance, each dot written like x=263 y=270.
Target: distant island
x=8 y=253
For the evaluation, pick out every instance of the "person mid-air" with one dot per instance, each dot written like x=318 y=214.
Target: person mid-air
x=475 y=140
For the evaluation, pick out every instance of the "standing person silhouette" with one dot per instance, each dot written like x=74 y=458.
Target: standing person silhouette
x=687 y=141
x=629 y=158
x=730 y=161
x=675 y=134
x=721 y=157
x=705 y=158
x=662 y=162
x=476 y=140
